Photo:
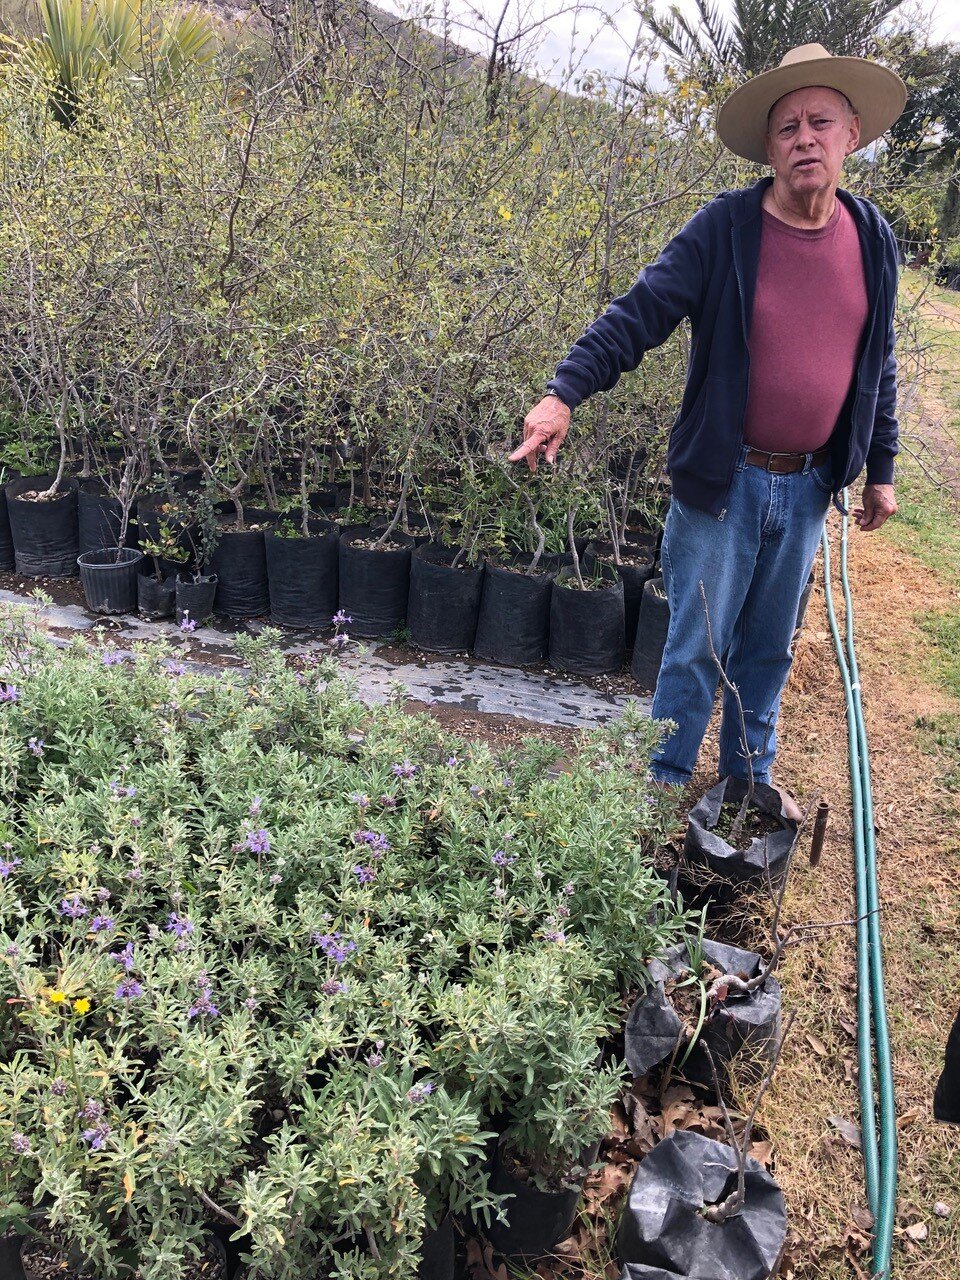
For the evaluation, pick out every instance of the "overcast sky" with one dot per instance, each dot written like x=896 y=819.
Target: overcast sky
x=598 y=36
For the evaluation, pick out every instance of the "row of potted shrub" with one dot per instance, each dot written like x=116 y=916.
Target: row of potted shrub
x=579 y=611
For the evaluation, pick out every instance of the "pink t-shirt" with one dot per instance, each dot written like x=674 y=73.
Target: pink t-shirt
x=809 y=312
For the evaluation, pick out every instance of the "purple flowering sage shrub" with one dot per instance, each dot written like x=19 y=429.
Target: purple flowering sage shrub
x=277 y=958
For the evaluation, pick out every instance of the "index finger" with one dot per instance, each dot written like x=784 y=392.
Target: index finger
x=528 y=446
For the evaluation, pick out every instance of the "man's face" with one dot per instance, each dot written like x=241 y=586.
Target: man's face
x=809 y=135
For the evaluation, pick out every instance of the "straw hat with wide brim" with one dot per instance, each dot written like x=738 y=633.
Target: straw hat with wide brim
x=878 y=96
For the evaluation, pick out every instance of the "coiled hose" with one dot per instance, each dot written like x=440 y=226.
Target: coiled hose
x=873 y=1041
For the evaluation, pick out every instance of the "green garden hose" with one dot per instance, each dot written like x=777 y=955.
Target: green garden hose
x=879 y=1154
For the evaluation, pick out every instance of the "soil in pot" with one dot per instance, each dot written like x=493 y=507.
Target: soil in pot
x=109 y=579
x=444 y=600
x=635 y=567
x=194 y=598
x=587 y=626
x=44 y=532
x=762 y=856
x=537 y=1219
x=155 y=599
x=513 y=625
x=374 y=581
x=653 y=622
x=666 y=1018
x=302 y=575
x=239 y=562
x=99 y=517
x=664 y=1225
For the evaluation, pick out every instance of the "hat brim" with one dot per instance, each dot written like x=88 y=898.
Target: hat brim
x=878 y=96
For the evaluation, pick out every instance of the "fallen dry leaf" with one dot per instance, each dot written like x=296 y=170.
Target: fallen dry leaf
x=817 y=1045
x=917 y=1231
x=908 y=1117
x=847 y=1130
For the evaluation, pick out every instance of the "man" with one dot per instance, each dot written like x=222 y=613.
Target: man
x=790 y=288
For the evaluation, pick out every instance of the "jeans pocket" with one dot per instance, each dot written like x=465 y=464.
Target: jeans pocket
x=823 y=476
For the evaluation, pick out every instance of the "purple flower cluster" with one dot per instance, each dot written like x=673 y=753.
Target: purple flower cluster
x=375 y=1058
x=555 y=935
x=502 y=859
x=72 y=907
x=58 y=1087
x=378 y=844
x=333 y=946
x=255 y=805
x=176 y=668
x=128 y=989
x=388 y=801
x=9 y=693
x=404 y=770
x=361 y=800
x=420 y=1092
x=35 y=746
x=341 y=618
x=333 y=987
x=187 y=624
x=124 y=958
x=102 y=924
x=111 y=658
x=364 y=874
x=20 y=1143
x=257 y=841
x=452 y=762
x=117 y=790
x=9 y=864
x=203 y=1005
x=96 y=1136
x=92 y=1109
x=178 y=924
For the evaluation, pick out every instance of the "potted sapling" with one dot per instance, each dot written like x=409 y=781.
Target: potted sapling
x=156 y=591
x=587 y=634
x=698 y=1207
x=738 y=835
x=195 y=595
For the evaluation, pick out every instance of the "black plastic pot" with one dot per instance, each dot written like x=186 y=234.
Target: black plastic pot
x=45 y=540
x=7 y=560
x=195 y=599
x=537 y=1219
x=946 y=1095
x=99 y=517
x=444 y=602
x=586 y=627
x=760 y=862
x=239 y=562
x=155 y=599
x=654 y=1028
x=109 y=579
x=513 y=625
x=652 y=625
x=374 y=584
x=438 y=1253
x=663 y=1224
x=302 y=575
x=634 y=576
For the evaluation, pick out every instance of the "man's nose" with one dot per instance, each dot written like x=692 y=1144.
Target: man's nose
x=805 y=134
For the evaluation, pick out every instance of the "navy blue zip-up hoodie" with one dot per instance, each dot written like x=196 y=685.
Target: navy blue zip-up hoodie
x=708 y=272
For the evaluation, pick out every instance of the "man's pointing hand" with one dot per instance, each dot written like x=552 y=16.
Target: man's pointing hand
x=544 y=430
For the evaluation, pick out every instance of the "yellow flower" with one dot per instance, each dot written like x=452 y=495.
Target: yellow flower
x=505 y=213
x=81 y=1006
x=55 y=997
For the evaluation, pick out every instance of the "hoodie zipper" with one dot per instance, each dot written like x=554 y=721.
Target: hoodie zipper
x=746 y=344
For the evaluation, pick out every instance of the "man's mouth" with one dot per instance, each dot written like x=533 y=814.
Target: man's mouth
x=806 y=164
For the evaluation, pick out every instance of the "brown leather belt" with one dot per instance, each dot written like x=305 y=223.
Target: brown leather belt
x=784 y=464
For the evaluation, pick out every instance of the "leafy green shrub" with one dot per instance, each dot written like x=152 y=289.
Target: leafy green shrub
x=273 y=957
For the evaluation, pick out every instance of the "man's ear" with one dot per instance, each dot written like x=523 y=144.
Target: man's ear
x=854 y=140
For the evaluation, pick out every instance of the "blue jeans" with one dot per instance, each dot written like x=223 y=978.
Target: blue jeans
x=753 y=563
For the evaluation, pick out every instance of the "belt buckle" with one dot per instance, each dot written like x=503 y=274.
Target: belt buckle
x=776 y=470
